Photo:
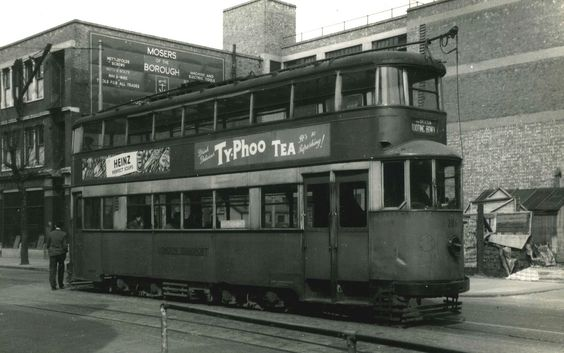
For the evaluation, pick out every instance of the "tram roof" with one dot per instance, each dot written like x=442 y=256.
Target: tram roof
x=201 y=91
x=420 y=149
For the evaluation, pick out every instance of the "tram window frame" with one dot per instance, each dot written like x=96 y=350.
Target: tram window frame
x=388 y=92
x=199 y=118
x=421 y=188
x=272 y=104
x=227 y=200
x=355 y=95
x=108 y=210
x=233 y=111
x=137 y=208
x=202 y=216
x=317 y=197
x=424 y=88
x=448 y=185
x=92 y=211
x=92 y=139
x=353 y=213
x=314 y=95
x=272 y=206
x=113 y=136
x=394 y=181
x=140 y=128
x=167 y=210
x=168 y=124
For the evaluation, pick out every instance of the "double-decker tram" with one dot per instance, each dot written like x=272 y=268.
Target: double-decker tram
x=327 y=183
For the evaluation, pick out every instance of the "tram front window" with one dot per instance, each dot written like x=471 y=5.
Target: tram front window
x=394 y=189
x=448 y=184
x=421 y=181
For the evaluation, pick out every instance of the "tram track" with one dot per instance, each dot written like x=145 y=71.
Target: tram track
x=458 y=335
x=261 y=337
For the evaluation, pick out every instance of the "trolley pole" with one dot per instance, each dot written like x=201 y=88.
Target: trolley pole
x=164 y=334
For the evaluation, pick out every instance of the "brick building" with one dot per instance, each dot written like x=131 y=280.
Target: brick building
x=64 y=86
x=509 y=73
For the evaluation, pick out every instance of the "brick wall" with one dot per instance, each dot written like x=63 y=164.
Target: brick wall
x=258 y=27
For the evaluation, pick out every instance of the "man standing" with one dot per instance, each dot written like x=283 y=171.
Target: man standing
x=57 y=244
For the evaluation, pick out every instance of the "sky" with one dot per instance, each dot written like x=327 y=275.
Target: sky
x=196 y=22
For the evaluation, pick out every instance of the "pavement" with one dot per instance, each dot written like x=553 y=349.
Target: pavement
x=529 y=281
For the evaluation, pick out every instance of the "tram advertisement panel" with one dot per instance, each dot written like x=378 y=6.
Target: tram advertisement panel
x=142 y=162
x=275 y=146
x=132 y=69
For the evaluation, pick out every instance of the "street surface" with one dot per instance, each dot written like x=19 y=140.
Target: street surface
x=35 y=319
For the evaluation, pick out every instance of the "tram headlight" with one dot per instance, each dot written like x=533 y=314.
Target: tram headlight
x=454 y=246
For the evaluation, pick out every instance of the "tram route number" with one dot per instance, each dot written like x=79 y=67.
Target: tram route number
x=183 y=251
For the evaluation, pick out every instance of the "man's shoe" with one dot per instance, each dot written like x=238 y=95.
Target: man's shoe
x=53 y=288
x=62 y=287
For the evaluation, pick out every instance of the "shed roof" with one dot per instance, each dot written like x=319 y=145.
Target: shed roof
x=539 y=199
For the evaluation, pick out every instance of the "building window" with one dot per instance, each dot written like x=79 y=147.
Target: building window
x=300 y=61
x=390 y=42
x=35 y=88
x=34 y=146
x=280 y=206
x=344 y=51
x=6 y=98
x=10 y=147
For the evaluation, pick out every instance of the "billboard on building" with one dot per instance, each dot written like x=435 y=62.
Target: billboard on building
x=131 y=70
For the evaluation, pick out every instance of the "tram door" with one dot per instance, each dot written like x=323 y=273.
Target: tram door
x=335 y=232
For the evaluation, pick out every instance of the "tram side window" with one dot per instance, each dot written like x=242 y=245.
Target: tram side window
x=317 y=208
x=391 y=84
x=114 y=132
x=167 y=210
x=91 y=213
x=168 y=123
x=358 y=89
x=199 y=118
x=92 y=136
x=271 y=104
x=394 y=188
x=232 y=208
x=421 y=184
x=314 y=96
x=77 y=139
x=424 y=90
x=233 y=111
x=139 y=212
x=448 y=184
x=140 y=128
x=352 y=204
x=198 y=210
x=280 y=206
